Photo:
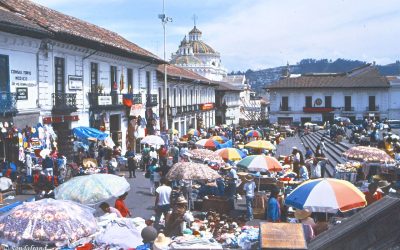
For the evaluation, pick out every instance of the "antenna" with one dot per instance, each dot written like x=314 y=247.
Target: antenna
x=194 y=19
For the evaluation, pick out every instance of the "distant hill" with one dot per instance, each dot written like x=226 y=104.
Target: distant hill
x=261 y=78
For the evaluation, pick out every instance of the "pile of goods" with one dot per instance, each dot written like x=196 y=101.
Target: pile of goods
x=368 y=154
x=348 y=167
x=205 y=155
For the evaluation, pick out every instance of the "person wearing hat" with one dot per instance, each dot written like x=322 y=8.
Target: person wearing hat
x=231 y=178
x=161 y=242
x=249 y=188
x=273 y=213
x=304 y=217
x=173 y=225
x=149 y=234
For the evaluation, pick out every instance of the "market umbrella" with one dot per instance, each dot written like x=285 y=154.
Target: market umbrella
x=92 y=189
x=260 y=163
x=207 y=143
x=231 y=154
x=254 y=133
x=326 y=195
x=153 y=140
x=220 y=139
x=260 y=144
x=205 y=154
x=173 y=131
x=47 y=221
x=193 y=132
x=191 y=171
x=368 y=154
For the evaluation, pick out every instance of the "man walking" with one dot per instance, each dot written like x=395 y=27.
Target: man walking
x=130 y=155
x=162 y=203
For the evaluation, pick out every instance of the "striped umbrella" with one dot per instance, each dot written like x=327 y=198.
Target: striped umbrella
x=260 y=144
x=260 y=163
x=326 y=195
x=207 y=143
x=231 y=154
x=220 y=139
x=193 y=132
x=254 y=133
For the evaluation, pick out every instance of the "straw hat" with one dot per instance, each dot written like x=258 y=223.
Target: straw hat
x=383 y=184
x=89 y=162
x=227 y=167
x=302 y=214
x=181 y=199
x=161 y=242
x=249 y=177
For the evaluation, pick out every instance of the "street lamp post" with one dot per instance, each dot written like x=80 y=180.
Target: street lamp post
x=164 y=21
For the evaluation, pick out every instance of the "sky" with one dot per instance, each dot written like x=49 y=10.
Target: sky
x=254 y=34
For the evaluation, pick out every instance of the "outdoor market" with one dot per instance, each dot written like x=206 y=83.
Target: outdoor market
x=217 y=188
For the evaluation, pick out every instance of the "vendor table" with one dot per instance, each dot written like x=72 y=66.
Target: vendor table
x=282 y=236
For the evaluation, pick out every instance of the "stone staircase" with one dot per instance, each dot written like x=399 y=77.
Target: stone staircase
x=333 y=150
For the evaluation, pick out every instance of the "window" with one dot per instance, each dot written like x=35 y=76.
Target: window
x=180 y=98
x=328 y=101
x=59 y=71
x=148 y=82
x=308 y=101
x=130 y=80
x=174 y=97
x=371 y=103
x=187 y=97
x=4 y=73
x=285 y=103
x=94 y=77
x=191 y=97
x=113 y=78
x=347 y=103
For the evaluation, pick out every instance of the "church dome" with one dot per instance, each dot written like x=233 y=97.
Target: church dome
x=186 y=60
x=200 y=47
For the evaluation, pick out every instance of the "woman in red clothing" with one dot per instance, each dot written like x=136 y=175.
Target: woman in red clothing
x=120 y=205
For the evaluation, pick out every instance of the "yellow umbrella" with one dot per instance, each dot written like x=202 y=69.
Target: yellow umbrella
x=230 y=154
x=260 y=144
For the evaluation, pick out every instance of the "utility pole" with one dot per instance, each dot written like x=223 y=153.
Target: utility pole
x=164 y=21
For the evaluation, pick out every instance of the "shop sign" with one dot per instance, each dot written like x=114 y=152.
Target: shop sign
x=104 y=100
x=59 y=119
x=136 y=110
x=207 y=106
x=22 y=93
x=75 y=82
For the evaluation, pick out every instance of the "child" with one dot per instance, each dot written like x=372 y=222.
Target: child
x=107 y=209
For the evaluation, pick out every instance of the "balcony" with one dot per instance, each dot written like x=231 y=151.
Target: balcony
x=285 y=109
x=317 y=110
x=137 y=99
x=64 y=103
x=184 y=109
x=105 y=101
x=196 y=107
x=179 y=110
x=8 y=103
x=151 y=100
x=372 y=108
x=348 y=109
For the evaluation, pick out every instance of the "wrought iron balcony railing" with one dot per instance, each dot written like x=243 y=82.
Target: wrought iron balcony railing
x=8 y=103
x=137 y=98
x=151 y=100
x=64 y=102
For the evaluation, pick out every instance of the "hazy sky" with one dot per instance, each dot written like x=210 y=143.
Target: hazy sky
x=255 y=33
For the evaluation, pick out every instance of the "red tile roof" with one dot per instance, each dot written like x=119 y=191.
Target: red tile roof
x=64 y=25
x=364 y=77
x=15 y=24
x=175 y=71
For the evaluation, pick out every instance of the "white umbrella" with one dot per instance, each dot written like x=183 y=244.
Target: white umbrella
x=153 y=140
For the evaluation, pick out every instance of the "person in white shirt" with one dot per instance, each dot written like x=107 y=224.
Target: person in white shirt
x=315 y=169
x=249 y=188
x=28 y=162
x=153 y=153
x=107 y=209
x=162 y=203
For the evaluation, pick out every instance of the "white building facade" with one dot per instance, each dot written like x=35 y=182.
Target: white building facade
x=357 y=94
x=66 y=83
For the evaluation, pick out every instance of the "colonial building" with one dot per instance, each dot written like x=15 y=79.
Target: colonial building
x=59 y=70
x=234 y=103
x=191 y=99
x=394 y=97
x=356 y=94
